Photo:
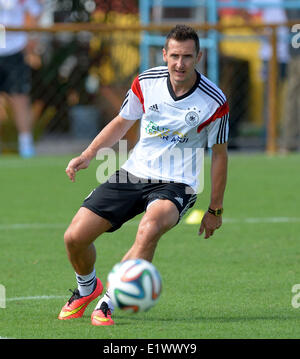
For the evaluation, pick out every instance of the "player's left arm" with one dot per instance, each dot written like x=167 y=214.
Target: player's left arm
x=217 y=137
x=219 y=162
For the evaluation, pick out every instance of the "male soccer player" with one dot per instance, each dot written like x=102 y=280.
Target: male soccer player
x=179 y=109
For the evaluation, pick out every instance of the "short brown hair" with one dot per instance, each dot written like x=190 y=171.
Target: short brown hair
x=183 y=33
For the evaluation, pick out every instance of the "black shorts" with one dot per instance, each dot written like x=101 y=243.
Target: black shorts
x=119 y=200
x=15 y=74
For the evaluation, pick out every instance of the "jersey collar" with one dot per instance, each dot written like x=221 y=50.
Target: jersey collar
x=172 y=93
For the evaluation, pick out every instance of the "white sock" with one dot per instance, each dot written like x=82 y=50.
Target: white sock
x=105 y=298
x=86 y=283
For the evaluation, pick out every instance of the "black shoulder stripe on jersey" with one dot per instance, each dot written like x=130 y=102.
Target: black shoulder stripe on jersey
x=226 y=124
x=125 y=100
x=153 y=73
x=152 y=77
x=124 y=104
x=210 y=94
x=221 y=136
x=221 y=129
x=154 y=70
x=213 y=89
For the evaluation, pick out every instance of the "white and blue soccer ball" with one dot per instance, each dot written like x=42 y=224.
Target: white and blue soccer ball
x=134 y=285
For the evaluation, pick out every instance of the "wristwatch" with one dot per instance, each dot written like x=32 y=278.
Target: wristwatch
x=216 y=212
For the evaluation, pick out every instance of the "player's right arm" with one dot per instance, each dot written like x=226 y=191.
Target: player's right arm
x=132 y=109
x=110 y=135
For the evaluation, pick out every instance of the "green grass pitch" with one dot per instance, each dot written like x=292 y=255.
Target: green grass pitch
x=236 y=285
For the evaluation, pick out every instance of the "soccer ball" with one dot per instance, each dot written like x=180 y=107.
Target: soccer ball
x=134 y=285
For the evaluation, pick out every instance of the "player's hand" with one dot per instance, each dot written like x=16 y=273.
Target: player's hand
x=209 y=224
x=76 y=164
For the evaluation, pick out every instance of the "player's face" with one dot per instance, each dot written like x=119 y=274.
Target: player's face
x=181 y=58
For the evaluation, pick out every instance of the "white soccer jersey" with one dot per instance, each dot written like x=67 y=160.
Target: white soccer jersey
x=174 y=130
x=12 y=13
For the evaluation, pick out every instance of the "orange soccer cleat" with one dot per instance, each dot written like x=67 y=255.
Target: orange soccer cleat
x=102 y=316
x=76 y=305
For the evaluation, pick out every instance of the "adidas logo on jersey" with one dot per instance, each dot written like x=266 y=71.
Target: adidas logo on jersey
x=154 y=108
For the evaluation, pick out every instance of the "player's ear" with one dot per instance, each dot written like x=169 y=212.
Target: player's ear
x=199 y=56
x=164 y=51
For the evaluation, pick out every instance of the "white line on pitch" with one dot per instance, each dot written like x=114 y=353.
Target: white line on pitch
x=263 y=220
x=19 y=226
x=32 y=225
x=38 y=297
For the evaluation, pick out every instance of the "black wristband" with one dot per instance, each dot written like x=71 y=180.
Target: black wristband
x=216 y=212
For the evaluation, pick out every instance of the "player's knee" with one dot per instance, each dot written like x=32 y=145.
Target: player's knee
x=68 y=238
x=72 y=238
x=150 y=231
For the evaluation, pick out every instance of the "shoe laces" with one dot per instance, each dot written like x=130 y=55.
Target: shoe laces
x=105 y=309
x=75 y=295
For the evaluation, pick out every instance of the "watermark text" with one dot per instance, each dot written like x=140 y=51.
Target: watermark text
x=296 y=37
x=2 y=296
x=296 y=297
x=182 y=165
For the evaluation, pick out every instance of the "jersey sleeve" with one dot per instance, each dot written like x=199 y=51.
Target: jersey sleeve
x=218 y=128
x=133 y=104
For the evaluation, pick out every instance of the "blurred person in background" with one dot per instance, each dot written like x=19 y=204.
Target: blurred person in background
x=15 y=73
x=291 y=106
x=274 y=14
